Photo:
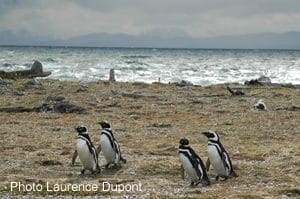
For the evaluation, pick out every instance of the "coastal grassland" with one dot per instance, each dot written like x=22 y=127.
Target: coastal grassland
x=148 y=121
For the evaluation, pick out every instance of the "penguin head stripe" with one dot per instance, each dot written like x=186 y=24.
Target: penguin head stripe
x=105 y=125
x=212 y=135
x=81 y=129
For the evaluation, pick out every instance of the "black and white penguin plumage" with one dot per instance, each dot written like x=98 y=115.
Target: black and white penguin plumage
x=192 y=163
x=86 y=151
x=218 y=157
x=109 y=145
x=260 y=105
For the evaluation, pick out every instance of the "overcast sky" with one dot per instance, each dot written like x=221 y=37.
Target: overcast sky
x=197 y=18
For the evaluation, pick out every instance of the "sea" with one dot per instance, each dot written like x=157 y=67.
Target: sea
x=199 y=66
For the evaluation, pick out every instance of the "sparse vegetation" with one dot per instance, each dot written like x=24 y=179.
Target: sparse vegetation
x=148 y=121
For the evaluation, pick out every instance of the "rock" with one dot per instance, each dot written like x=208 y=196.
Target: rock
x=37 y=67
x=183 y=83
x=65 y=107
x=35 y=71
x=49 y=163
x=60 y=107
x=4 y=83
x=18 y=109
x=291 y=108
x=55 y=98
x=32 y=83
x=162 y=125
x=262 y=80
x=235 y=91
x=112 y=75
x=288 y=85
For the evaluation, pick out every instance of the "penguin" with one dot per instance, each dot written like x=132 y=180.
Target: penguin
x=260 y=105
x=192 y=163
x=218 y=157
x=110 y=146
x=86 y=151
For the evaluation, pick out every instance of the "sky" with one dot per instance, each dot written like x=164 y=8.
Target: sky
x=62 y=19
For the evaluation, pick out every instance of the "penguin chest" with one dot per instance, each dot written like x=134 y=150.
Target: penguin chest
x=85 y=156
x=216 y=161
x=107 y=149
x=188 y=167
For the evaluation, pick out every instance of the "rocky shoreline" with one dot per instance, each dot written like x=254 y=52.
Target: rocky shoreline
x=38 y=137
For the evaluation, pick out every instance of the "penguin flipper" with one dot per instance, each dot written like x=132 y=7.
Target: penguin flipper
x=99 y=149
x=182 y=172
x=225 y=160
x=75 y=154
x=207 y=164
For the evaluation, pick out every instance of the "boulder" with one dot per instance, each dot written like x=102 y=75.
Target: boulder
x=262 y=80
x=35 y=71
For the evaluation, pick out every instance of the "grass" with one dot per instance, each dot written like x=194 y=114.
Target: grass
x=148 y=121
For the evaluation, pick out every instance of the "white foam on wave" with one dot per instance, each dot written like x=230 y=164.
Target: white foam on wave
x=198 y=66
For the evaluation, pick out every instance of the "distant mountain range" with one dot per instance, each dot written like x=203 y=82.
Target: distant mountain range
x=287 y=40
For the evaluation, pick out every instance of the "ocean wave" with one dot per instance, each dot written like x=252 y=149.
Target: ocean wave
x=136 y=56
x=202 y=67
x=49 y=60
x=7 y=65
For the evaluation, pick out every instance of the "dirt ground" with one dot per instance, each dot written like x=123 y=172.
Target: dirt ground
x=148 y=120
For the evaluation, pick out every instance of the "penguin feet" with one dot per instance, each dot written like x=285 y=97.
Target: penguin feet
x=122 y=160
x=233 y=175
x=97 y=172
x=194 y=184
x=82 y=173
x=107 y=165
x=206 y=183
x=217 y=178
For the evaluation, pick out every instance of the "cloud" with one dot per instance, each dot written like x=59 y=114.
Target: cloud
x=68 y=18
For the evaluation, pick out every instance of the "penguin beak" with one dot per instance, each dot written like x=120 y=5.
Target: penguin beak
x=101 y=123
x=205 y=133
x=77 y=128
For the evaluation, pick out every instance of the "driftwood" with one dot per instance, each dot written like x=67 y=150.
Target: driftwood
x=35 y=71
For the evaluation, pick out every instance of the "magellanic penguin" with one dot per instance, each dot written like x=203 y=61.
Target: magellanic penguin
x=260 y=105
x=86 y=151
x=109 y=145
x=192 y=163
x=218 y=157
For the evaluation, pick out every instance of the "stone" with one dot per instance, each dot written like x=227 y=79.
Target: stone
x=35 y=71
x=112 y=75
